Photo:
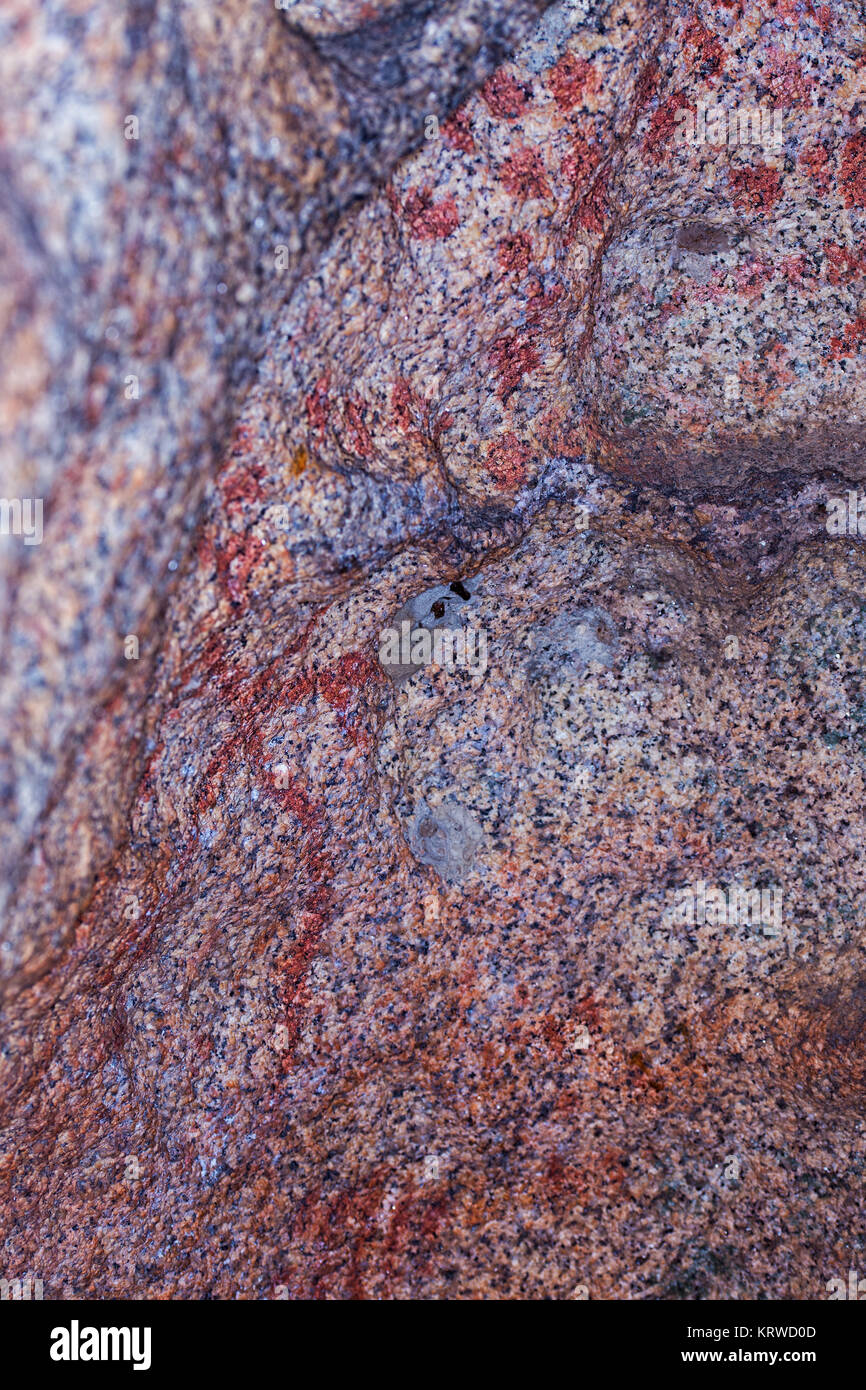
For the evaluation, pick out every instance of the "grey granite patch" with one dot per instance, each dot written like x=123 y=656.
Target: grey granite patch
x=573 y=639
x=445 y=837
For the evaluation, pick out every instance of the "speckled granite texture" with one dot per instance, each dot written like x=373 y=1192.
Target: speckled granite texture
x=325 y=976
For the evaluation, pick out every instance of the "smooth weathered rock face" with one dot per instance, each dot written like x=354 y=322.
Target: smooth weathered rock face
x=540 y=974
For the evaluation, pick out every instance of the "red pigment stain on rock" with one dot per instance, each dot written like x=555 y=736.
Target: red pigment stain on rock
x=513 y=356
x=504 y=96
x=513 y=254
x=352 y=672
x=540 y=302
x=551 y=1031
x=751 y=278
x=852 y=339
x=428 y=220
x=338 y=1231
x=300 y=689
x=457 y=131
x=557 y=435
x=815 y=163
x=663 y=124
x=358 y=1235
x=292 y=970
x=705 y=47
x=581 y=161
x=852 y=171
x=576 y=1181
x=339 y=685
x=507 y=459
x=786 y=79
x=357 y=434
x=843 y=263
x=794 y=267
x=410 y=412
x=241 y=481
x=295 y=799
x=242 y=440
x=775 y=357
x=524 y=176
x=318 y=405
x=587 y=1010
x=406 y=405
x=592 y=212
x=759 y=189
x=647 y=84
x=567 y=80
x=317 y=869
x=676 y=302
x=237 y=486
x=715 y=291
x=243 y=697
x=440 y=425
x=764 y=378
x=234 y=562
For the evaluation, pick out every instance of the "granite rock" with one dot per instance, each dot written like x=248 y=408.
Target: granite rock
x=542 y=976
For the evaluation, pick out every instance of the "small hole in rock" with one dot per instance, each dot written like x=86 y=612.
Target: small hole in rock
x=460 y=590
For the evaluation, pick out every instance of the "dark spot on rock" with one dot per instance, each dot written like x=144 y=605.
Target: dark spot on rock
x=704 y=239
x=659 y=658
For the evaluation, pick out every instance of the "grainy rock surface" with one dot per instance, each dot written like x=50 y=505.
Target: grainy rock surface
x=542 y=975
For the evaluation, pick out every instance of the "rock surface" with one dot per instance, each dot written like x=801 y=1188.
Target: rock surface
x=541 y=975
